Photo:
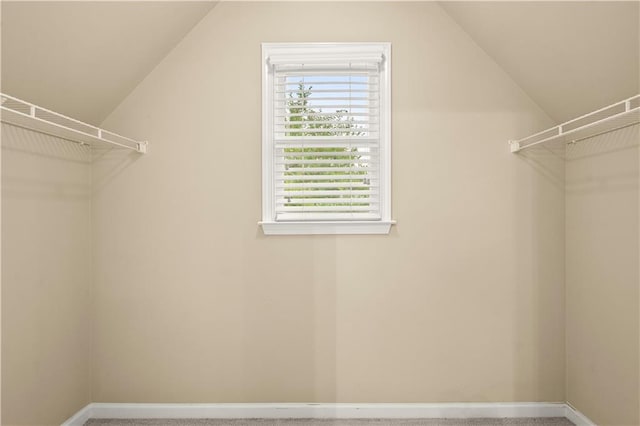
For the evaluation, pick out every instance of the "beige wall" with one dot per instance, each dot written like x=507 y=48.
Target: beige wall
x=0 y=252
x=464 y=301
x=46 y=264
x=603 y=277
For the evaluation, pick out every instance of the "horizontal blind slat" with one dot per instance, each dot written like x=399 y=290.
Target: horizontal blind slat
x=331 y=193
x=283 y=135
x=326 y=72
x=342 y=90
x=346 y=201
x=322 y=162
x=324 y=145
x=372 y=104
x=324 y=138
x=280 y=216
x=283 y=63
x=371 y=82
x=345 y=208
x=343 y=180
x=305 y=170
x=329 y=185
x=306 y=151
x=304 y=125
x=345 y=114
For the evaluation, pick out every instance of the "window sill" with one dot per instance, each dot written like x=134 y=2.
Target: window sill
x=327 y=228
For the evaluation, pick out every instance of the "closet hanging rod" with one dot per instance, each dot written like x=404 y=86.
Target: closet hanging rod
x=613 y=117
x=24 y=114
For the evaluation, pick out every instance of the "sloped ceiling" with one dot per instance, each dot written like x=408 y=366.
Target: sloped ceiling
x=83 y=58
x=570 y=57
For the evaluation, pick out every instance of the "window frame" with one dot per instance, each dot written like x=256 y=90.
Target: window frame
x=339 y=51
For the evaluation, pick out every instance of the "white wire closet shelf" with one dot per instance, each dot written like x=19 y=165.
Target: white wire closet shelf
x=613 y=117
x=23 y=114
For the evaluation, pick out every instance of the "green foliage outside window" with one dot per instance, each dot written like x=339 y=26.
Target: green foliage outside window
x=306 y=121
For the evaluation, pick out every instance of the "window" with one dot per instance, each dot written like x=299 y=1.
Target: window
x=326 y=138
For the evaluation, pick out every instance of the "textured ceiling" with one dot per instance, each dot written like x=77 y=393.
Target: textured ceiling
x=570 y=57
x=83 y=58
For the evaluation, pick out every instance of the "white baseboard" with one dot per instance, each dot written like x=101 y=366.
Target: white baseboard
x=319 y=410
x=577 y=417
x=79 y=418
x=342 y=410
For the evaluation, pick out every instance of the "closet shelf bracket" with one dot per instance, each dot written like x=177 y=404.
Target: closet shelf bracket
x=23 y=114
x=613 y=117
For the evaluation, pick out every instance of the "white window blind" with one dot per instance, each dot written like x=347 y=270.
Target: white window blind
x=326 y=134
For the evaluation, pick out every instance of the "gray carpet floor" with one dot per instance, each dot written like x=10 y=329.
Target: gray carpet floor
x=552 y=421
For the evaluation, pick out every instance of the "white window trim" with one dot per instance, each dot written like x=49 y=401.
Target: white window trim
x=269 y=225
